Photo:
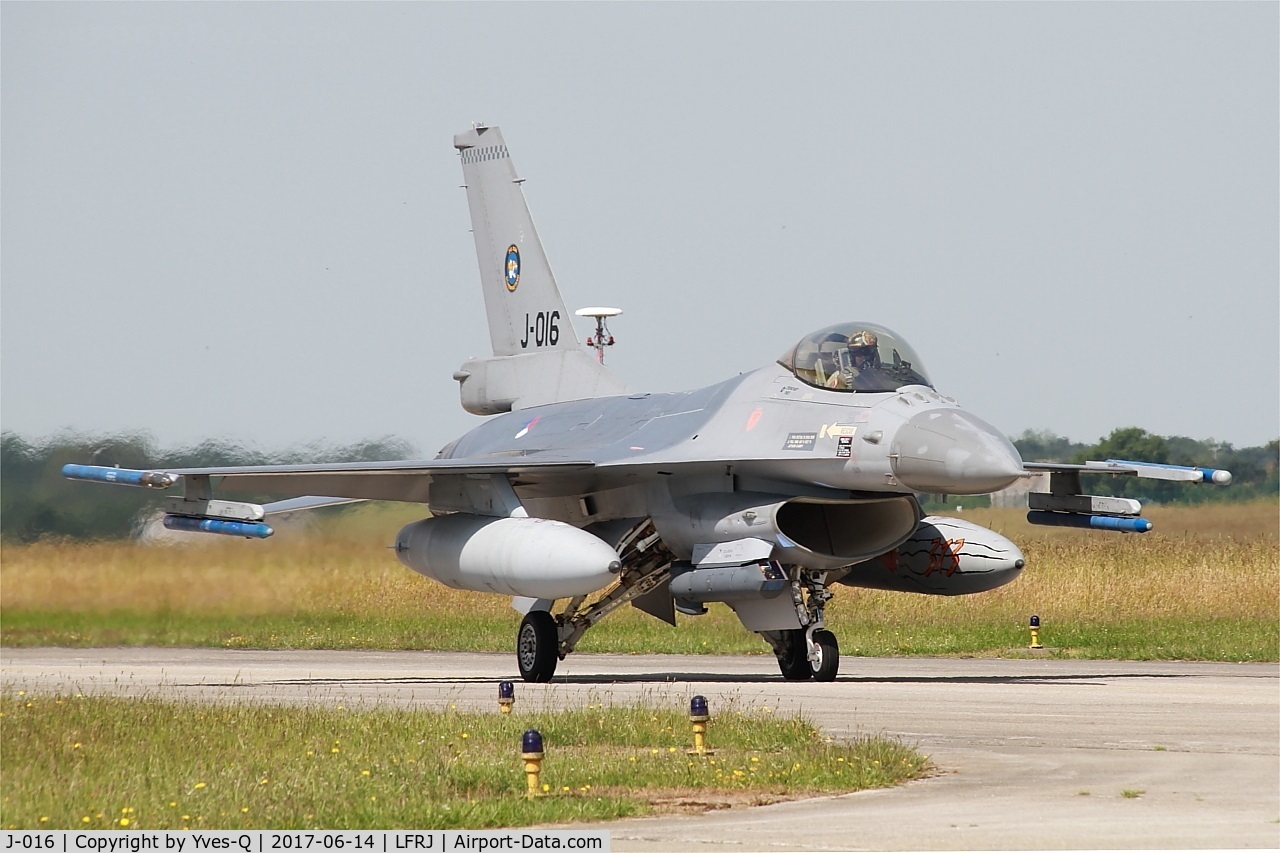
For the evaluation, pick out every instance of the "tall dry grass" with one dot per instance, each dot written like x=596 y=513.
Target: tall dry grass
x=1208 y=577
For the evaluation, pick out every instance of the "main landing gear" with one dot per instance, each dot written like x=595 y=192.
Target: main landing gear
x=543 y=640
x=537 y=645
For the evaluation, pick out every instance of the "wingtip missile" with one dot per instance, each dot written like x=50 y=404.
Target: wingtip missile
x=1185 y=473
x=120 y=476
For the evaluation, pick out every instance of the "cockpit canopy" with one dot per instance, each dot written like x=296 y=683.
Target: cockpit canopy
x=855 y=357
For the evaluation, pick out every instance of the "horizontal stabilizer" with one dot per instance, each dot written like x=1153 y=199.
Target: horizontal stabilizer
x=305 y=503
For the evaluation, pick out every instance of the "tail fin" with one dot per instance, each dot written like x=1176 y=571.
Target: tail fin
x=537 y=359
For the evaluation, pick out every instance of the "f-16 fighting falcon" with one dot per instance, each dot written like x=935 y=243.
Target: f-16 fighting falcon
x=576 y=495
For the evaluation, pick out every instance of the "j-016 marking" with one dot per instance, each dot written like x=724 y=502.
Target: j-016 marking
x=542 y=330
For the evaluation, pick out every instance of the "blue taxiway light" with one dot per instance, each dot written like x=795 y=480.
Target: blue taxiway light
x=224 y=527
x=1095 y=522
x=119 y=476
x=531 y=742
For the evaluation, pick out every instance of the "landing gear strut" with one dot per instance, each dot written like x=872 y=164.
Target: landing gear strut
x=811 y=651
x=543 y=639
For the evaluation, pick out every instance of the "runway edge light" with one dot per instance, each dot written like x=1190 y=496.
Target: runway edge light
x=699 y=715
x=1034 y=625
x=531 y=753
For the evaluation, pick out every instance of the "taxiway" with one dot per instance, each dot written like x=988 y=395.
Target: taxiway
x=1031 y=754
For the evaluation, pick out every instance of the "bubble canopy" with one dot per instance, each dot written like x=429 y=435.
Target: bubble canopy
x=855 y=357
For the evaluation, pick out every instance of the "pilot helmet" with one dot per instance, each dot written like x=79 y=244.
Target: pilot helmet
x=864 y=348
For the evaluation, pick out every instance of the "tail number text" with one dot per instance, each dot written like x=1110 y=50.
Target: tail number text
x=542 y=330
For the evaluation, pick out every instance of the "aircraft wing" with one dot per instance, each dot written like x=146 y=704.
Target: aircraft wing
x=1065 y=505
x=330 y=484
x=406 y=480
x=1150 y=470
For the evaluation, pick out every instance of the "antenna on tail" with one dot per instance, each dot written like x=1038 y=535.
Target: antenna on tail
x=602 y=337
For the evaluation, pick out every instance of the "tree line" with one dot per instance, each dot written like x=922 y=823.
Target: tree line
x=1253 y=469
x=36 y=501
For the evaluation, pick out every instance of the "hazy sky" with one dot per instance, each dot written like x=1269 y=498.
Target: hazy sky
x=244 y=220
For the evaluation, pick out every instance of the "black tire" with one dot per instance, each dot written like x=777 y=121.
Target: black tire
x=828 y=662
x=536 y=646
x=794 y=661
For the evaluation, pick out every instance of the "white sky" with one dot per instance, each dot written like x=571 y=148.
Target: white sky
x=244 y=220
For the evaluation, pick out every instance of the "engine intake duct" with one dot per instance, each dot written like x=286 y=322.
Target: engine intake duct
x=816 y=533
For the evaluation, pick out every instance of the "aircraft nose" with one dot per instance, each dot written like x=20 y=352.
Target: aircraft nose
x=951 y=452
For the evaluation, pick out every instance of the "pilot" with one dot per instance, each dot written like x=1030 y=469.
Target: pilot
x=864 y=350
x=864 y=353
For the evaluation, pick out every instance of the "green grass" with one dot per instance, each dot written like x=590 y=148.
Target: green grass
x=76 y=762
x=861 y=635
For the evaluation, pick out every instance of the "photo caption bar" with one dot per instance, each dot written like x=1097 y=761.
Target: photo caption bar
x=271 y=841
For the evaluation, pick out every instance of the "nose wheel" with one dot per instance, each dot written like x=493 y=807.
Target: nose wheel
x=824 y=656
x=800 y=659
x=537 y=644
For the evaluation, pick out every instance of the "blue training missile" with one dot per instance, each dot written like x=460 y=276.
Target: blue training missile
x=1095 y=522
x=120 y=476
x=247 y=529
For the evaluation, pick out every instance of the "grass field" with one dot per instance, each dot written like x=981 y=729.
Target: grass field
x=75 y=762
x=1204 y=585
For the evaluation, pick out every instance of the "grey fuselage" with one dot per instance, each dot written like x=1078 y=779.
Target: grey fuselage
x=768 y=430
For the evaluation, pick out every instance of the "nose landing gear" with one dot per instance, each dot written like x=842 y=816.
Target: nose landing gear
x=811 y=651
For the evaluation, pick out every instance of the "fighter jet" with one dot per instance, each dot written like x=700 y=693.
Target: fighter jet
x=576 y=495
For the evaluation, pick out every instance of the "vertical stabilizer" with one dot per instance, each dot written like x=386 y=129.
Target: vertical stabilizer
x=537 y=357
x=526 y=311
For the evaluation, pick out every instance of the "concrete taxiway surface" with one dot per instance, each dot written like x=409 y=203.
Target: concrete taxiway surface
x=1031 y=754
